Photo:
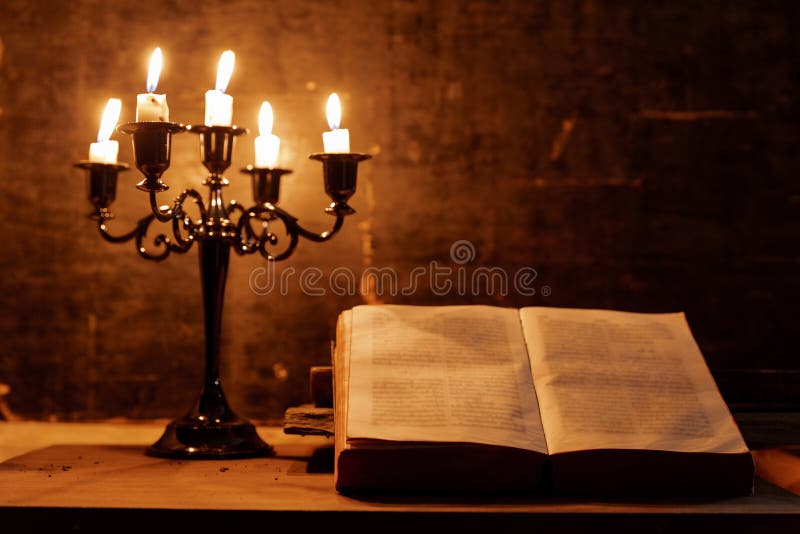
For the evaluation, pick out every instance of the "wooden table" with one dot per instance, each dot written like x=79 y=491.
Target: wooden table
x=94 y=476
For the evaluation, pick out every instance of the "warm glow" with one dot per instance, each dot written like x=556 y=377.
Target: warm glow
x=225 y=70
x=265 y=119
x=334 y=111
x=154 y=71
x=110 y=119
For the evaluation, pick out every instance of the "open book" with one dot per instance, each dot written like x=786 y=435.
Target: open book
x=489 y=398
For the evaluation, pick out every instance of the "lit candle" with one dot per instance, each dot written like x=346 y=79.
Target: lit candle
x=267 y=143
x=149 y=106
x=104 y=150
x=337 y=140
x=219 y=106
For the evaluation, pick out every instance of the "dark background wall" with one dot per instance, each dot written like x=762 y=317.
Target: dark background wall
x=639 y=156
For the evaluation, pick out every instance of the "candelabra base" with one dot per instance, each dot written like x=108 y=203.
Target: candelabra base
x=211 y=430
x=192 y=438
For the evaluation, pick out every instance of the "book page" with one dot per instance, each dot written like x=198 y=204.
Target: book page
x=441 y=374
x=618 y=380
x=341 y=380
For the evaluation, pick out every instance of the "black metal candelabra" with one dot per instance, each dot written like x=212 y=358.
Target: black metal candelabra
x=211 y=429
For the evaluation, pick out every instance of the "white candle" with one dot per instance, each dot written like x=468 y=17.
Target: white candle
x=219 y=106
x=150 y=106
x=105 y=150
x=267 y=144
x=337 y=140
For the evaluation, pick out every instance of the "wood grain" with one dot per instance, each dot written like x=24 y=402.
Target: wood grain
x=119 y=476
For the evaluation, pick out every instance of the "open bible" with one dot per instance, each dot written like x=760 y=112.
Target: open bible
x=490 y=398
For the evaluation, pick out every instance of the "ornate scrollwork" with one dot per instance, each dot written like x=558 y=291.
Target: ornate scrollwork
x=139 y=233
x=249 y=241
x=251 y=233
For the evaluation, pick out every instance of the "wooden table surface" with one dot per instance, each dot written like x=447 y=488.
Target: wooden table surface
x=88 y=474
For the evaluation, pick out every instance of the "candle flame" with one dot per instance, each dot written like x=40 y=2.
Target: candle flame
x=265 y=119
x=334 y=111
x=110 y=119
x=225 y=70
x=154 y=71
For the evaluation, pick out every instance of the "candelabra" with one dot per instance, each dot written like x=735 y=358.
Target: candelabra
x=211 y=429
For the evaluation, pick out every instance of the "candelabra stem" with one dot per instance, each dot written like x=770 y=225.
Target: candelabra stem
x=214 y=257
x=211 y=429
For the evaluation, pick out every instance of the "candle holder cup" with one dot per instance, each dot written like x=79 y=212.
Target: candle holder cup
x=102 y=186
x=216 y=145
x=266 y=183
x=340 y=172
x=211 y=429
x=152 y=146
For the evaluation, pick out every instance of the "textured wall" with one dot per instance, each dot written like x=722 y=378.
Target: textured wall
x=637 y=156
